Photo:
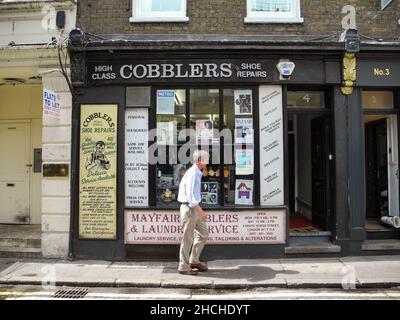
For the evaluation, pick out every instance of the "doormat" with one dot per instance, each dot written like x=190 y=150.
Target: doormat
x=299 y=223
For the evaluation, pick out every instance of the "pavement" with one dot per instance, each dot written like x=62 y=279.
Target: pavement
x=341 y=273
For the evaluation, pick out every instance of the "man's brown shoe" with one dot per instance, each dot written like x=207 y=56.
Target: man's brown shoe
x=188 y=273
x=202 y=267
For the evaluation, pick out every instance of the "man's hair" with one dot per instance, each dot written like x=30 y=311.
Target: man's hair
x=100 y=144
x=200 y=155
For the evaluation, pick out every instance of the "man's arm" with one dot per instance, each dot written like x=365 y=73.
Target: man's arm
x=192 y=203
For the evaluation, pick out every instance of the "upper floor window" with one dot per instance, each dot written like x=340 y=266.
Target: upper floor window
x=273 y=11
x=159 y=11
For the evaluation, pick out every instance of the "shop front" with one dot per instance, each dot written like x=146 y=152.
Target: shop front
x=267 y=120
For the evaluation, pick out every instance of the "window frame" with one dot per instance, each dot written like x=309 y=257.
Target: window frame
x=274 y=17
x=158 y=16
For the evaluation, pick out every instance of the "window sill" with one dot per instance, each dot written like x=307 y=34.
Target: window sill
x=273 y=20
x=157 y=19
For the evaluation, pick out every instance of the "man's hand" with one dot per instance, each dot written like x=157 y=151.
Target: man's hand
x=201 y=213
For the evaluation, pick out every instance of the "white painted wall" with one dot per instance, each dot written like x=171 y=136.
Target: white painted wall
x=56 y=137
x=33 y=23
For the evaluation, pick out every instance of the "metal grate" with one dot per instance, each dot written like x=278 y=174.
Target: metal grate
x=71 y=293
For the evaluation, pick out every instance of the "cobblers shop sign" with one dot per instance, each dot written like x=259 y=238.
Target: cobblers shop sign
x=159 y=71
x=232 y=227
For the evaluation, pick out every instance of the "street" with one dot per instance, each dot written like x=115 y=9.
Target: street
x=79 y=293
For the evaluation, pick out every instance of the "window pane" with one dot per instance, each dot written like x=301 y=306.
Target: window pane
x=238 y=168
x=271 y=5
x=171 y=119
x=377 y=99
x=165 y=5
x=204 y=115
x=204 y=119
x=306 y=99
x=171 y=115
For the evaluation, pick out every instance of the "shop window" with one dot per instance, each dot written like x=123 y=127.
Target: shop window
x=306 y=99
x=273 y=11
x=228 y=180
x=159 y=11
x=377 y=99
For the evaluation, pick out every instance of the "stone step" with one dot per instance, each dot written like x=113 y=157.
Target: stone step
x=309 y=237
x=305 y=248
x=20 y=243
x=378 y=245
x=383 y=234
x=27 y=253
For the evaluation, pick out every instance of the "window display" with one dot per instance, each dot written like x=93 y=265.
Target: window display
x=228 y=179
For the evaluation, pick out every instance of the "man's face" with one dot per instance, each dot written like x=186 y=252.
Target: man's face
x=202 y=164
x=100 y=149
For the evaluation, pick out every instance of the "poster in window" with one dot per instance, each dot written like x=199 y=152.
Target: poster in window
x=244 y=131
x=243 y=102
x=166 y=132
x=244 y=192
x=244 y=162
x=165 y=102
x=204 y=131
x=97 y=174
x=179 y=172
x=209 y=192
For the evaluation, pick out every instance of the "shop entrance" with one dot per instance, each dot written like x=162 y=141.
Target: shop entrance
x=310 y=173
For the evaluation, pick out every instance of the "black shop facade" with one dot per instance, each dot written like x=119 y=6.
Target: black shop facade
x=275 y=125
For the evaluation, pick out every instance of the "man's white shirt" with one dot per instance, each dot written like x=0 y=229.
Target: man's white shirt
x=190 y=187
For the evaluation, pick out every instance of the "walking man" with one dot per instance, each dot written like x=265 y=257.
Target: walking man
x=193 y=217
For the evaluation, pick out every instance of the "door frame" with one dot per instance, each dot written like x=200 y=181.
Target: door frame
x=327 y=111
x=30 y=151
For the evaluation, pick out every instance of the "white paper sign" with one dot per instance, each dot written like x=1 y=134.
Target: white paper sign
x=136 y=164
x=244 y=133
x=225 y=227
x=271 y=146
x=244 y=162
x=51 y=104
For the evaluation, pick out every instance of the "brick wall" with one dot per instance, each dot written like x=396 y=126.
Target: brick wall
x=321 y=17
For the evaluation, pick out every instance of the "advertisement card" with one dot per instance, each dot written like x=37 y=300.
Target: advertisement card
x=165 y=102
x=244 y=162
x=243 y=102
x=204 y=131
x=244 y=133
x=244 y=192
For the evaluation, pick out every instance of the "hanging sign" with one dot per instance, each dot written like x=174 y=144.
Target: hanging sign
x=98 y=172
x=271 y=146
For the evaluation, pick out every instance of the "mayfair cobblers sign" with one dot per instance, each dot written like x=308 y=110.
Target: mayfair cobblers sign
x=195 y=70
x=264 y=226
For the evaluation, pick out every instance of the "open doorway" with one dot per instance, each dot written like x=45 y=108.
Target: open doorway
x=381 y=174
x=381 y=164
x=309 y=151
